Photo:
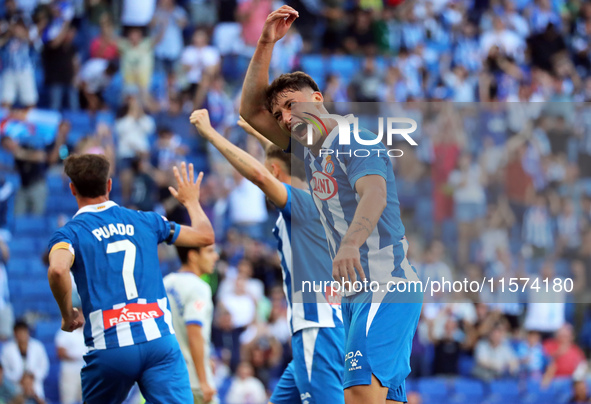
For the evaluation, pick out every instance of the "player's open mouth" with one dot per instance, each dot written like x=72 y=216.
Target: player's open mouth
x=299 y=130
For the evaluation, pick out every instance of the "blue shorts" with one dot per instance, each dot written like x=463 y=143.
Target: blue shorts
x=379 y=328
x=315 y=375
x=157 y=366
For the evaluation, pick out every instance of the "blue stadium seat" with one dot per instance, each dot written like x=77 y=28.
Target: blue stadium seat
x=29 y=225
x=465 y=365
x=45 y=330
x=315 y=66
x=346 y=67
x=505 y=389
x=51 y=384
x=432 y=387
x=467 y=390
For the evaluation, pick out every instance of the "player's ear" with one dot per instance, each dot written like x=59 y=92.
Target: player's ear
x=73 y=189
x=317 y=96
x=109 y=185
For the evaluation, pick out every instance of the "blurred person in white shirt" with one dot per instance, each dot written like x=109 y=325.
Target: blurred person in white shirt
x=25 y=354
x=245 y=388
x=70 y=350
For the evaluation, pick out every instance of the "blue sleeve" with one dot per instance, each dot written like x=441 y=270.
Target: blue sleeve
x=62 y=235
x=163 y=227
x=377 y=161
x=286 y=210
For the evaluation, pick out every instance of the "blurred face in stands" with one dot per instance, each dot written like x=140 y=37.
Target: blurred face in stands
x=21 y=335
x=200 y=39
x=135 y=36
x=496 y=336
x=244 y=370
x=564 y=335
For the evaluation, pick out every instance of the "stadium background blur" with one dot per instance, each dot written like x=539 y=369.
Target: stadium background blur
x=121 y=77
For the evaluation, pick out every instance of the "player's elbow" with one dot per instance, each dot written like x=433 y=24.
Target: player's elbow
x=56 y=272
x=260 y=178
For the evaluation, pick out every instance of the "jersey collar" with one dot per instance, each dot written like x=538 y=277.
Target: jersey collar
x=99 y=207
x=335 y=132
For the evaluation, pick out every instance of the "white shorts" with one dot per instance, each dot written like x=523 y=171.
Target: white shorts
x=19 y=85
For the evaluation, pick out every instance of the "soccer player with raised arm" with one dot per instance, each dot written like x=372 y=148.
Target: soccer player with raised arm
x=358 y=204
x=315 y=375
x=192 y=315
x=112 y=253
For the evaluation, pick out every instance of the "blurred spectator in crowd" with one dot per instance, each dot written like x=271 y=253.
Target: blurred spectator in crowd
x=531 y=355
x=447 y=348
x=18 y=75
x=105 y=46
x=247 y=221
x=199 y=59
x=252 y=14
x=144 y=188
x=467 y=182
x=564 y=354
x=25 y=354
x=8 y=390
x=225 y=337
x=28 y=393
x=6 y=313
x=61 y=64
x=33 y=155
x=171 y=19
x=245 y=388
x=99 y=143
x=168 y=150
x=538 y=232
x=132 y=130
x=494 y=356
x=93 y=78
x=137 y=58
x=240 y=304
x=569 y=228
x=367 y=83
x=263 y=351
x=70 y=351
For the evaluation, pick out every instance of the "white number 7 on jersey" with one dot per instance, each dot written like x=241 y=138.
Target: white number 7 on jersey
x=128 y=265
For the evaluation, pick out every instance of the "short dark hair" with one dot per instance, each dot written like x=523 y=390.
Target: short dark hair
x=294 y=167
x=89 y=173
x=183 y=253
x=288 y=82
x=21 y=325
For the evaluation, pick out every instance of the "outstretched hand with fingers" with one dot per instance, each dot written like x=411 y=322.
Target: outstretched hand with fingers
x=278 y=23
x=188 y=190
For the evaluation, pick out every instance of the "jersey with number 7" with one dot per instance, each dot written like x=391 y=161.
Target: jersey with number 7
x=117 y=273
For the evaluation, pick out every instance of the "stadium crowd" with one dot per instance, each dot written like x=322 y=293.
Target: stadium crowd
x=493 y=189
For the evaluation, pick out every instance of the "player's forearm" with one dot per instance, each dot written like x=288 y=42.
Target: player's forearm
x=61 y=287
x=197 y=348
x=200 y=223
x=256 y=81
x=368 y=212
x=244 y=163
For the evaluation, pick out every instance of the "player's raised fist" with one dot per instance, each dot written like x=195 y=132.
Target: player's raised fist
x=200 y=118
x=74 y=321
x=277 y=24
x=187 y=190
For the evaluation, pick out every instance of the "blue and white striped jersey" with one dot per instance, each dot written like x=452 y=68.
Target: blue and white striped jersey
x=117 y=272
x=304 y=257
x=332 y=179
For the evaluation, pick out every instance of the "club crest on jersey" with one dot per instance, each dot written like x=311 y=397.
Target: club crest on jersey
x=324 y=186
x=329 y=166
x=131 y=313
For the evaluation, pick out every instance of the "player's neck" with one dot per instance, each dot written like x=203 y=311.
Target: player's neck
x=82 y=201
